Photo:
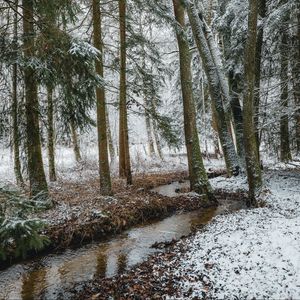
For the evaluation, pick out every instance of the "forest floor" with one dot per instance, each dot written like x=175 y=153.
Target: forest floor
x=253 y=254
x=81 y=215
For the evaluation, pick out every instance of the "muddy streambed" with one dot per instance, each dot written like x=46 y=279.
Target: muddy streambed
x=49 y=277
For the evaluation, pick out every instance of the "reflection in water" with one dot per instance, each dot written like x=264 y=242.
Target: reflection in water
x=49 y=277
x=101 y=262
x=122 y=263
x=33 y=284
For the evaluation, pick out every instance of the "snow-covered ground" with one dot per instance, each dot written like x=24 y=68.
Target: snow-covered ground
x=69 y=170
x=251 y=254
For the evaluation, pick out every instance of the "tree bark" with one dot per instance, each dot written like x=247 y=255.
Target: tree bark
x=105 y=180
x=15 y=123
x=252 y=159
x=37 y=179
x=197 y=174
x=75 y=142
x=285 y=151
x=259 y=47
x=124 y=154
x=296 y=79
x=50 y=129
x=111 y=147
x=215 y=89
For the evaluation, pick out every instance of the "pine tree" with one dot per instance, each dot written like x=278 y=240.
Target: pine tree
x=105 y=181
x=252 y=157
x=36 y=172
x=124 y=154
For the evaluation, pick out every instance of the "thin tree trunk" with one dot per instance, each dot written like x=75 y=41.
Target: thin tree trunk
x=124 y=154
x=37 y=179
x=155 y=131
x=197 y=174
x=285 y=151
x=105 y=180
x=111 y=147
x=252 y=158
x=259 y=47
x=216 y=94
x=296 y=79
x=75 y=142
x=16 y=137
x=237 y=113
x=50 y=129
x=149 y=133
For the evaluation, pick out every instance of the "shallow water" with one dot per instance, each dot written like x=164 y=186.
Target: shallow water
x=52 y=275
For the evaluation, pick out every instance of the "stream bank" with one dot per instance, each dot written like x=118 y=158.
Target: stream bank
x=53 y=276
x=81 y=216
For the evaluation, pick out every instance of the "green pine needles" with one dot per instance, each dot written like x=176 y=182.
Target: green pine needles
x=19 y=233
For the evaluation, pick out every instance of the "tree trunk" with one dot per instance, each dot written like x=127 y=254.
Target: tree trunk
x=50 y=129
x=37 y=179
x=155 y=131
x=124 y=154
x=75 y=142
x=215 y=89
x=197 y=174
x=105 y=181
x=259 y=46
x=15 y=123
x=111 y=147
x=149 y=132
x=237 y=113
x=296 y=79
x=285 y=151
x=252 y=159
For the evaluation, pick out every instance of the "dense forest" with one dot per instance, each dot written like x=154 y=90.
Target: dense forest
x=130 y=117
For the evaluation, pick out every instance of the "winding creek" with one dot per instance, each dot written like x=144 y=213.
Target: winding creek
x=49 y=277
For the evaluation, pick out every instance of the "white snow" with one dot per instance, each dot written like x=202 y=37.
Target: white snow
x=249 y=254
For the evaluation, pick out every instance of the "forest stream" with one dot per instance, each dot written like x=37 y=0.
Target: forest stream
x=50 y=277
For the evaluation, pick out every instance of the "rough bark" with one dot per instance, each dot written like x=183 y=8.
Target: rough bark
x=124 y=154
x=75 y=142
x=37 y=179
x=14 y=110
x=259 y=47
x=296 y=79
x=231 y=101
x=105 y=180
x=285 y=151
x=237 y=114
x=50 y=131
x=215 y=89
x=155 y=132
x=197 y=174
x=111 y=147
x=252 y=159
